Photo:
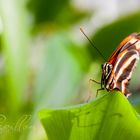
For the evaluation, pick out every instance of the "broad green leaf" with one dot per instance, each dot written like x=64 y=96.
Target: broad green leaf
x=110 y=117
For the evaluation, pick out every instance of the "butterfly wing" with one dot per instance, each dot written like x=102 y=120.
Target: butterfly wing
x=122 y=46
x=123 y=60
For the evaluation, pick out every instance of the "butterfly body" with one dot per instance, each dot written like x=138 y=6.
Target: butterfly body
x=117 y=71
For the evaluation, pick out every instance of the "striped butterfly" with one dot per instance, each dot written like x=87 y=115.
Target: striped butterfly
x=117 y=71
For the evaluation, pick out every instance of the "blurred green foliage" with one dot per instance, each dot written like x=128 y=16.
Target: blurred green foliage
x=47 y=10
x=49 y=68
x=63 y=66
x=55 y=14
x=109 y=37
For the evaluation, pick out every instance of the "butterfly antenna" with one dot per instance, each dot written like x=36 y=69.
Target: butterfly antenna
x=92 y=44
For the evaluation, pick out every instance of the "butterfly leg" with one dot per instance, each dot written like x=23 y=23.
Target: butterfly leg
x=127 y=93
x=90 y=94
x=98 y=91
x=95 y=81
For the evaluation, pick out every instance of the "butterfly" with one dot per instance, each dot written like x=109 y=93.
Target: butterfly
x=117 y=71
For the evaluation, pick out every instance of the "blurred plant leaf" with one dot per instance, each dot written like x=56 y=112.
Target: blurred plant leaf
x=106 y=118
x=61 y=70
x=59 y=13
x=108 y=37
x=46 y=10
x=15 y=38
x=70 y=15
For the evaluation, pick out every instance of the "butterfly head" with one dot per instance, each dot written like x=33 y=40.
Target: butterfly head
x=106 y=70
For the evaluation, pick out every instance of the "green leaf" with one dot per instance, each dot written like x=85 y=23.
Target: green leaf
x=110 y=117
